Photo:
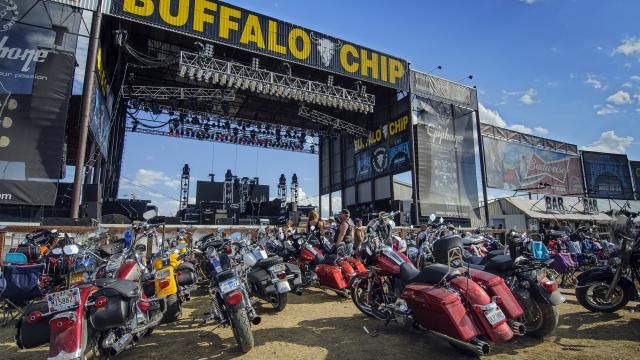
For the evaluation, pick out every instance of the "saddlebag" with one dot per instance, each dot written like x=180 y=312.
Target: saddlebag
x=495 y=286
x=186 y=277
x=31 y=335
x=260 y=281
x=440 y=310
x=330 y=276
x=113 y=315
x=294 y=270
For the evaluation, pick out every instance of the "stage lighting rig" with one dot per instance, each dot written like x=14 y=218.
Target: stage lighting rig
x=234 y=75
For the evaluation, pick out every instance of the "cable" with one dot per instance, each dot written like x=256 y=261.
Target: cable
x=137 y=184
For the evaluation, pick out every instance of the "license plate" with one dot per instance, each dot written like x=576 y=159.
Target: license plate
x=64 y=300
x=283 y=286
x=494 y=316
x=229 y=285
x=277 y=268
x=77 y=278
x=163 y=274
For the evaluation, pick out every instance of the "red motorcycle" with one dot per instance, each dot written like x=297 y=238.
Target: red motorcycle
x=99 y=317
x=327 y=272
x=467 y=311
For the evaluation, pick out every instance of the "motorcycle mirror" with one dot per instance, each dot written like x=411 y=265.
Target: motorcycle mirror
x=181 y=246
x=441 y=220
x=432 y=217
x=150 y=214
x=71 y=250
x=313 y=227
x=56 y=251
x=235 y=236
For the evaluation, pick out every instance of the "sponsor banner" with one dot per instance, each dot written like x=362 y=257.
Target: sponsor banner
x=393 y=128
x=223 y=23
x=635 y=174
x=364 y=169
x=399 y=154
x=446 y=165
x=433 y=87
x=516 y=166
x=607 y=175
x=37 y=64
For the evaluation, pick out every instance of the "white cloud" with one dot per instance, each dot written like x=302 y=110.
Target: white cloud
x=528 y=97
x=530 y=2
x=611 y=143
x=605 y=110
x=635 y=77
x=637 y=97
x=147 y=177
x=594 y=82
x=305 y=199
x=629 y=46
x=620 y=98
x=494 y=118
x=627 y=84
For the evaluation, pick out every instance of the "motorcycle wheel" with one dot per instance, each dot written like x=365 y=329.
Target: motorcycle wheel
x=540 y=319
x=358 y=290
x=241 y=328
x=281 y=302
x=174 y=309
x=592 y=297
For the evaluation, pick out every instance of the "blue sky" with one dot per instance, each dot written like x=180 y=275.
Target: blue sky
x=566 y=69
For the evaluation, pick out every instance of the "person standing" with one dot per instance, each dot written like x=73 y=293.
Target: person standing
x=344 y=233
x=315 y=221
x=358 y=236
x=422 y=235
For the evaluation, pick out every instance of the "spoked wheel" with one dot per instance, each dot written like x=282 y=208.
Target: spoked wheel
x=593 y=297
x=540 y=318
x=359 y=297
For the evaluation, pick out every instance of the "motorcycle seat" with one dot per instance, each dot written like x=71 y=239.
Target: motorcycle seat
x=329 y=260
x=269 y=262
x=499 y=263
x=186 y=266
x=224 y=275
x=483 y=260
x=432 y=274
x=125 y=288
x=556 y=234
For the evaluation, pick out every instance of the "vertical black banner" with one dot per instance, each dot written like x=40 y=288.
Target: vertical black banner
x=446 y=168
x=36 y=73
x=635 y=174
x=607 y=175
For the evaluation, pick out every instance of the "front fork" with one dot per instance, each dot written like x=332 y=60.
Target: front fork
x=614 y=282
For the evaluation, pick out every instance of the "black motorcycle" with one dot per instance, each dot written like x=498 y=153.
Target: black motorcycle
x=608 y=289
x=527 y=278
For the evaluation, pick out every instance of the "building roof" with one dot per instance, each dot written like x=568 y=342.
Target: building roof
x=533 y=209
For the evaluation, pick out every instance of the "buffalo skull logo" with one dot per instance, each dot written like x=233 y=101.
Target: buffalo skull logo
x=326 y=47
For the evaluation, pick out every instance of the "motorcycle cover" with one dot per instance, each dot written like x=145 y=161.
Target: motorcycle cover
x=21 y=283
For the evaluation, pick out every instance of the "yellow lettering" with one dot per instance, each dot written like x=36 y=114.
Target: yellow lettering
x=273 y=39
x=226 y=24
x=396 y=70
x=200 y=16
x=383 y=67
x=348 y=64
x=294 y=35
x=368 y=63
x=138 y=7
x=178 y=20
x=252 y=32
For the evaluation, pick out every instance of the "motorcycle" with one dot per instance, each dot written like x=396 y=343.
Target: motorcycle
x=230 y=303
x=466 y=309
x=269 y=278
x=527 y=279
x=610 y=288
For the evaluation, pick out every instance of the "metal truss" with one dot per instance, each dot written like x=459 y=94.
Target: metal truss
x=324 y=119
x=244 y=77
x=164 y=93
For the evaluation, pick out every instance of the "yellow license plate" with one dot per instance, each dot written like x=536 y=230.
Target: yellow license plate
x=77 y=278
x=163 y=274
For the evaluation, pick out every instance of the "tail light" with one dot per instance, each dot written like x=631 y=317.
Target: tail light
x=101 y=301
x=34 y=317
x=282 y=275
x=61 y=324
x=228 y=249
x=164 y=283
x=234 y=298
x=550 y=286
x=178 y=273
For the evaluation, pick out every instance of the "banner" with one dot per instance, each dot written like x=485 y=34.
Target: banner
x=607 y=175
x=230 y=25
x=363 y=165
x=37 y=64
x=516 y=166
x=635 y=174
x=446 y=165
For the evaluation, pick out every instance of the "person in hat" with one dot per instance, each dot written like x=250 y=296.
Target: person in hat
x=344 y=233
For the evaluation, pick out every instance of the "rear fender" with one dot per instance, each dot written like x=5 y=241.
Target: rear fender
x=360 y=275
x=70 y=342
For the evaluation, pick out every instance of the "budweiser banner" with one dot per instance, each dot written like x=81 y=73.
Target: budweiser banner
x=516 y=166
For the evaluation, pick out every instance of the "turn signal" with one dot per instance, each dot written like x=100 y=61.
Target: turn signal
x=101 y=301
x=282 y=276
x=164 y=283
x=61 y=324
x=234 y=298
x=550 y=286
x=34 y=317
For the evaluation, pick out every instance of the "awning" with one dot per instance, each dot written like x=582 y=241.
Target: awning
x=531 y=209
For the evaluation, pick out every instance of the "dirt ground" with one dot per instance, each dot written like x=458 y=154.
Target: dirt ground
x=319 y=325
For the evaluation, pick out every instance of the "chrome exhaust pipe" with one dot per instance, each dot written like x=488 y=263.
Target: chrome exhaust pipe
x=518 y=328
x=477 y=346
x=256 y=320
x=121 y=344
x=109 y=340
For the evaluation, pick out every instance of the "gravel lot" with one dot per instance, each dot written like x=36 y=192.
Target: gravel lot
x=319 y=325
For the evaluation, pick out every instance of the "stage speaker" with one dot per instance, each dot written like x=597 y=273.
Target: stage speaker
x=224 y=221
x=245 y=222
x=93 y=210
x=91 y=193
